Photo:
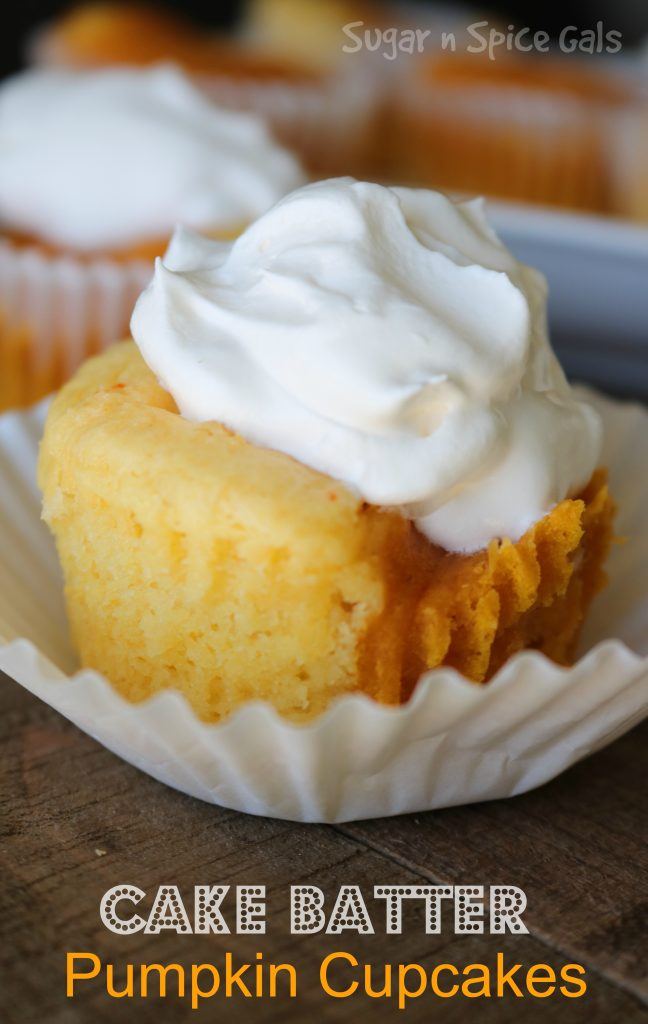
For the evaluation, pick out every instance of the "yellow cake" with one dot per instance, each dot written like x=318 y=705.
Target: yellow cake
x=198 y=561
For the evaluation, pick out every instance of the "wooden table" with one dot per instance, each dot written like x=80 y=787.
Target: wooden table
x=76 y=820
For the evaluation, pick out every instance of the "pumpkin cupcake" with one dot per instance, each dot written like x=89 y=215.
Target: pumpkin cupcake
x=339 y=452
x=97 y=168
x=326 y=115
x=532 y=129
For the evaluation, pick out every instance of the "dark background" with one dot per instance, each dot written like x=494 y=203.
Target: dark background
x=627 y=16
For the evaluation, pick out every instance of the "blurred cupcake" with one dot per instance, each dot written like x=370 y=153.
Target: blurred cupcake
x=527 y=129
x=326 y=116
x=96 y=171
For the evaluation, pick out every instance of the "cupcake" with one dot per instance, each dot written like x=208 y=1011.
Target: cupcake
x=339 y=451
x=520 y=128
x=327 y=116
x=97 y=168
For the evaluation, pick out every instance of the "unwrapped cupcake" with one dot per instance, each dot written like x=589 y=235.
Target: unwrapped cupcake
x=97 y=168
x=339 y=452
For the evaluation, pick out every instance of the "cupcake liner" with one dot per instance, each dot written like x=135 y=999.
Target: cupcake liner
x=516 y=144
x=330 y=123
x=55 y=311
x=454 y=742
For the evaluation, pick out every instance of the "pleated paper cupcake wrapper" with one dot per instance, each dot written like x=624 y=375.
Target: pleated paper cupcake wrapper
x=55 y=311
x=453 y=743
x=331 y=124
x=505 y=142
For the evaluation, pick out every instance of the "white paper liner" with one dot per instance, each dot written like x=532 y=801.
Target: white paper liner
x=530 y=147
x=55 y=311
x=453 y=743
x=331 y=124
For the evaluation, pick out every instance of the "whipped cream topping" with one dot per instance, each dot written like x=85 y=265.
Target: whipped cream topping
x=387 y=338
x=108 y=158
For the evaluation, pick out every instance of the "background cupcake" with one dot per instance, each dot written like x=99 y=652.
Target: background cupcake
x=97 y=168
x=325 y=112
x=519 y=127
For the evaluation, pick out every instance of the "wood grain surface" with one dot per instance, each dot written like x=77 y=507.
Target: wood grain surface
x=75 y=820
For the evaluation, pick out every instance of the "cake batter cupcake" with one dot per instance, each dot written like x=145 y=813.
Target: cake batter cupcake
x=340 y=451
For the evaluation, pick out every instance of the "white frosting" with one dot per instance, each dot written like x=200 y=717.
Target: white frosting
x=107 y=158
x=383 y=336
